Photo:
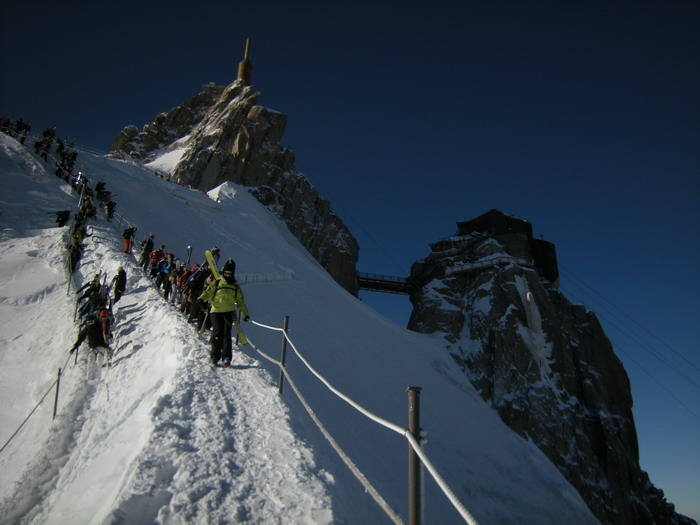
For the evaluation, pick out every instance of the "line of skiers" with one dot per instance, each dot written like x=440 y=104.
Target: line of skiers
x=207 y=302
x=65 y=158
x=78 y=232
x=94 y=306
x=94 y=309
x=19 y=130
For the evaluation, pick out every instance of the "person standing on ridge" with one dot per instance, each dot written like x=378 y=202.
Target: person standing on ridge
x=97 y=331
x=155 y=257
x=164 y=268
x=225 y=296
x=119 y=284
x=146 y=248
x=109 y=208
x=128 y=236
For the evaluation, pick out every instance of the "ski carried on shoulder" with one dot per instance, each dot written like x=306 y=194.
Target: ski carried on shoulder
x=209 y=257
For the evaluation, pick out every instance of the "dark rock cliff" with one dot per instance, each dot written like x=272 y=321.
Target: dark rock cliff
x=543 y=363
x=223 y=135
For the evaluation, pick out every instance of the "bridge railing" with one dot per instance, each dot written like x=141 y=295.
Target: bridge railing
x=383 y=278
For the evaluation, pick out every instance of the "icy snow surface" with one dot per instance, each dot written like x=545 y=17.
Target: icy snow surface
x=164 y=437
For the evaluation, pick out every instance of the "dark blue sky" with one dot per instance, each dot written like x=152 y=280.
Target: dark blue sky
x=581 y=117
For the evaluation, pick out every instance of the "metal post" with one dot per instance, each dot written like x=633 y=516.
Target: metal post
x=55 y=401
x=283 y=357
x=414 y=466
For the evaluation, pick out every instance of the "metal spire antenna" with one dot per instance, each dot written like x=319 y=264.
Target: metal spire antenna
x=245 y=67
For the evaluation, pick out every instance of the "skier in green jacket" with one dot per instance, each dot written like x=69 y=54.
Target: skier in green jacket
x=225 y=296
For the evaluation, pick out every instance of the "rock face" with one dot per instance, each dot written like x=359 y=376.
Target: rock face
x=166 y=128
x=543 y=363
x=223 y=135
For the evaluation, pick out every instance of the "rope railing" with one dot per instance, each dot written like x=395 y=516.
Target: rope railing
x=449 y=493
x=343 y=456
x=48 y=391
x=468 y=517
x=370 y=415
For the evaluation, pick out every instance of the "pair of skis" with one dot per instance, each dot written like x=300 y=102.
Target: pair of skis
x=209 y=257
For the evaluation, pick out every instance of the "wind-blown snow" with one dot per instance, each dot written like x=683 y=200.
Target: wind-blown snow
x=167 y=162
x=162 y=436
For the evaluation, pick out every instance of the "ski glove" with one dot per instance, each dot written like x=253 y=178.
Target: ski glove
x=246 y=318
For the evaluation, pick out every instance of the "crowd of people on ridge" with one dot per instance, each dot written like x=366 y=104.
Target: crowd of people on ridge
x=209 y=302
x=206 y=301
x=18 y=130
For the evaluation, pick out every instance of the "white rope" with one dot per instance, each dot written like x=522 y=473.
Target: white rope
x=35 y=408
x=373 y=417
x=272 y=360
x=266 y=326
x=346 y=459
x=438 y=479
x=404 y=432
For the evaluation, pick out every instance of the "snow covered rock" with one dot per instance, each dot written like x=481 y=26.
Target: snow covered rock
x=543 y=363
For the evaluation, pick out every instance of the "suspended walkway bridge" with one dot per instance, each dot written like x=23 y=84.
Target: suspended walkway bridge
x=385 y=283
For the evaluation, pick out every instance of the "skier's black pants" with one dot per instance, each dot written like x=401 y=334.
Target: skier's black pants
x=221 y=335
x=196 y=312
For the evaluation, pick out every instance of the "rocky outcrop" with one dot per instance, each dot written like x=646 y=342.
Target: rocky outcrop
x=165 y=129
x=223 y=135
x=544 y=363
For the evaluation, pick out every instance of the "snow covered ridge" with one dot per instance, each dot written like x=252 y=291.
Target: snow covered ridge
x=162 y=436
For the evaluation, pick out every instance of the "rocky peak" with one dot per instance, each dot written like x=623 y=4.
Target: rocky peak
x=223 y=135
x=543 y=363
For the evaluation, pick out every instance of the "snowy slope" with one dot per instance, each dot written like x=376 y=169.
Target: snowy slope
x=162 y=436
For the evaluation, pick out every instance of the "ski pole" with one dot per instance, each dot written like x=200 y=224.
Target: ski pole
x=204 y=324
x=70 y=274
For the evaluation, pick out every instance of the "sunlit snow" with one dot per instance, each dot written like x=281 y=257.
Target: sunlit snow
x=162 y=436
